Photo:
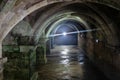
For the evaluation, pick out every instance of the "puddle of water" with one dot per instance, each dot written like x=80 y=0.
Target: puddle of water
x=66 y=61
x=64 y=56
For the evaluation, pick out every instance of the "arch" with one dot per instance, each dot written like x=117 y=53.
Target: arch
x=17 y=17
x=70 y=18
x=7 y=25
x=20 y=16
x=70 y=26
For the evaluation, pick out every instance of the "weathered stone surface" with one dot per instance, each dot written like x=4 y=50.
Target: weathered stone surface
x=21 y=13
x=13 y=12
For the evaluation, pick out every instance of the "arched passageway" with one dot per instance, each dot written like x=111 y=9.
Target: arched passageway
x=92 y=27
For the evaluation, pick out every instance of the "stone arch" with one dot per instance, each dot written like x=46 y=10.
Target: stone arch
x=22 y=13
x=8 y=23
x=19 y=12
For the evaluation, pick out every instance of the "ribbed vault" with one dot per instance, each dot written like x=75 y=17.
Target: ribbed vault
x=98 y=20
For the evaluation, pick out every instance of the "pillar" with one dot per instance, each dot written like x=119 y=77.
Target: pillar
x=1 y=65
x=2 y=61
x=41 y=52
x=48 y=46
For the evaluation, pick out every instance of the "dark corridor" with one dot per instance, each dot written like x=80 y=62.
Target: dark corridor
x=60 y=40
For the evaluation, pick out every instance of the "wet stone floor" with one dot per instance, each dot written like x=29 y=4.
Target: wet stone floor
x=69 y=64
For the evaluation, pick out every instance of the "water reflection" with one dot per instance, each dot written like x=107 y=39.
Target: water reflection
x=65 y=51
x=81 y=59
x=69 y=65
x=81 y=63
x=64 y=57
x=66 y=61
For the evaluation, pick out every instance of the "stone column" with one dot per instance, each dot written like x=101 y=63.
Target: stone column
x=0 y=50
x=41 y=52
x=2 y=61
x=48 y=46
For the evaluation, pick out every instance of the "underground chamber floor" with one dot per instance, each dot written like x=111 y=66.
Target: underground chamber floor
x=69 y=64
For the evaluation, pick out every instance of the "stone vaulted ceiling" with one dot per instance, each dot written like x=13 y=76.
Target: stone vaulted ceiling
x=13 y=11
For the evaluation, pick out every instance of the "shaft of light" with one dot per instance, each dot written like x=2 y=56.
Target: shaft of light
x=82 y=31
